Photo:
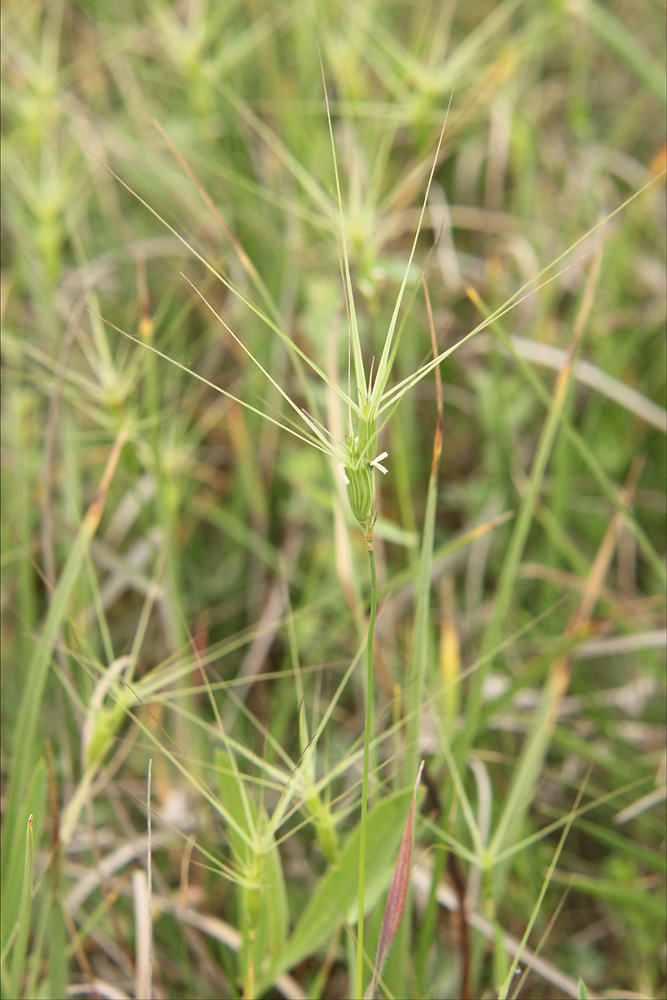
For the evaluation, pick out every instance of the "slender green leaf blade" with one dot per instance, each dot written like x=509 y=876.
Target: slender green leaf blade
x=335 y=897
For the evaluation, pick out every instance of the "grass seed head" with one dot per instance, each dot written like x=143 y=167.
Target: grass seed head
x=359 y=472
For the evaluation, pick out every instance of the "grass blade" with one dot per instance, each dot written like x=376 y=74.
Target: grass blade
x=24 y=913
x=37 y=672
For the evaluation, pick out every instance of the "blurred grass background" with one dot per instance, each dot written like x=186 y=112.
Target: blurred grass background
x=222 y=550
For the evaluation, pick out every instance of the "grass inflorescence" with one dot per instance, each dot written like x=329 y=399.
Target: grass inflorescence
x=333 y=444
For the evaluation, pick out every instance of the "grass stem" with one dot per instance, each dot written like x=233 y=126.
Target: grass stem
x=364 y=786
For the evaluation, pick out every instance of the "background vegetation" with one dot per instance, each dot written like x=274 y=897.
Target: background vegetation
x=182 y=581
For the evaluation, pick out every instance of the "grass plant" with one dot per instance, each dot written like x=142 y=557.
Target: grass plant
x=379 y=480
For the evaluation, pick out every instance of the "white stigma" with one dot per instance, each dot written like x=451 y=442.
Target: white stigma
x=376 y=463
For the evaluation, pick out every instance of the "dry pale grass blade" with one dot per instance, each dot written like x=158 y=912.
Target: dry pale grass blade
x=97 y=987
x=641 y=805
x=142 y=927
x=120 y=857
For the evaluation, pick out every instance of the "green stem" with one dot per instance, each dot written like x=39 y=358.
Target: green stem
x=364 y=785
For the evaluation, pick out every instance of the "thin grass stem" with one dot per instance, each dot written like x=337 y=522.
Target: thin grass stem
x=364 y=786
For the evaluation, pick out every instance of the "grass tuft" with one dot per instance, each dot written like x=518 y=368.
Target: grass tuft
x=317 y=466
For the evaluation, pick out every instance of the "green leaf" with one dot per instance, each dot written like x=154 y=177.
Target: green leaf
x=398 y=894
x=262 y=892
x=582 y=992
x=26 y=733
x=31 y=805
x=335 y=898
x=25 y=910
